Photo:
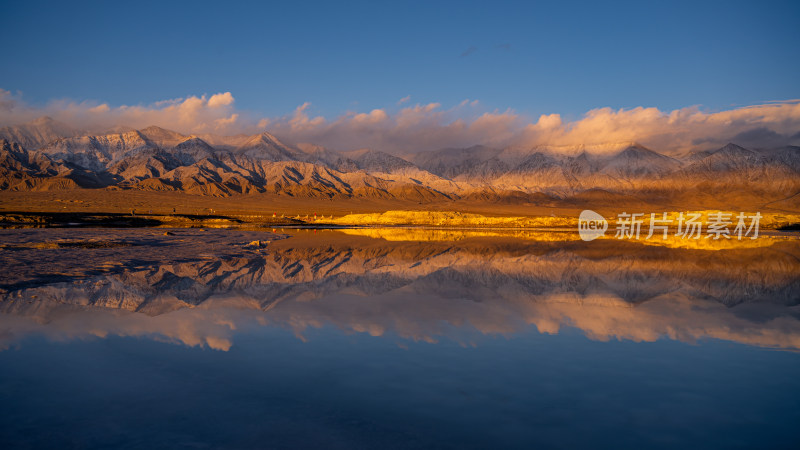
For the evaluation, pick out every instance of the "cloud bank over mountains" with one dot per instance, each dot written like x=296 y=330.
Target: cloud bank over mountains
x=423 y=127
x=215 y=113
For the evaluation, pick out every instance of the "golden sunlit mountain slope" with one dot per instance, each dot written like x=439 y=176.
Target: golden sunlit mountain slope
x=155 y=159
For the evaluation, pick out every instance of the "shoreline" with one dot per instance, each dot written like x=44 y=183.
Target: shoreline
x=42 y=219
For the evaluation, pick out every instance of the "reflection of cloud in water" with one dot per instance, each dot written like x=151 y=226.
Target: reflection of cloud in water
x=423 y=291
x=600 y=317
x=190 y=327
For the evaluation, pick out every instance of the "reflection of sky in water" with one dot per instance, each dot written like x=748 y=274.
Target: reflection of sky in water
x=345 y=391
x=343 y=341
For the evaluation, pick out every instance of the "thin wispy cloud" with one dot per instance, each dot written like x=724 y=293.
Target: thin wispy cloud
x=472 y=49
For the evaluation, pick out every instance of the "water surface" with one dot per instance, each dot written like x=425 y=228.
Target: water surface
x=394 y=339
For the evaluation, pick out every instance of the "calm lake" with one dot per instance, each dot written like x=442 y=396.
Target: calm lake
x=395 y=338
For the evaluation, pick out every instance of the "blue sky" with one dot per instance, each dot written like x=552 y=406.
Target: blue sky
x=534 y=58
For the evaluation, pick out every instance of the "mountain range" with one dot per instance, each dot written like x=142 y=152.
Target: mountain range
x=48 y=155
x=625 y=290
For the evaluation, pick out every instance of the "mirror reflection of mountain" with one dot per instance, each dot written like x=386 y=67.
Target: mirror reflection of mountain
x=184 y=285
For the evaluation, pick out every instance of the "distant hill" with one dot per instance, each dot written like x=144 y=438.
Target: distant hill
x=45 y=155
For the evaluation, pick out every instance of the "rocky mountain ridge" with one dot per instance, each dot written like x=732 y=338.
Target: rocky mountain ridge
x=46 y=155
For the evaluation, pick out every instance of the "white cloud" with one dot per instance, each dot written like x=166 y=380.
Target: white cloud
x=218 y=100
x=190 y=115
x=428 y=126
x=678 y=130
